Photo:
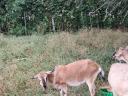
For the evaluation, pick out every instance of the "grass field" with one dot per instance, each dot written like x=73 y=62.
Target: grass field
x=22 y=57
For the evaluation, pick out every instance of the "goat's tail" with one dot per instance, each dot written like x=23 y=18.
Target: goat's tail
x=101 y=74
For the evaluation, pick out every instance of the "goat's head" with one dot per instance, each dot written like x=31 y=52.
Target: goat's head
x=42 y=77
x=121 y=55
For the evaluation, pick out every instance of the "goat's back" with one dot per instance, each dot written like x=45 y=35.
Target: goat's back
x=76 y=71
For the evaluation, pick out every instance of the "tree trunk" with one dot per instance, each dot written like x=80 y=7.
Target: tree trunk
x=53 y=23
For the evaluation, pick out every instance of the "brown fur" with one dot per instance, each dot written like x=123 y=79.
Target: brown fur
x=50 y=77
x=45 y=78
x=74 y=73
x=121 y=54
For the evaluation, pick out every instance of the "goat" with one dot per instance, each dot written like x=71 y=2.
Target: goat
x=44 y=78
x=121 y=55
x=118 y=79
x=75 y=74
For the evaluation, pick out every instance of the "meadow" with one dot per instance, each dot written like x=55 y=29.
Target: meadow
x=22 y=57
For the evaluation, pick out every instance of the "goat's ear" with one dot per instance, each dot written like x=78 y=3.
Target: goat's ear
x=113 y=53
x=45 y=78
x=44 y=81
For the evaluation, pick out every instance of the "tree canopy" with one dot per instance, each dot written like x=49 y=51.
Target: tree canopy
x=23 y=17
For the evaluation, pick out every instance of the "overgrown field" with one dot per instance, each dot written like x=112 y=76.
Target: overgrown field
x=22 y=57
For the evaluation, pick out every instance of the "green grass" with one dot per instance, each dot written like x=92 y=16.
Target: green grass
x=22 y=57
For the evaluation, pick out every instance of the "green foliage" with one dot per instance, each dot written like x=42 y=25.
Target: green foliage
x=117 y=7
x=23 y=17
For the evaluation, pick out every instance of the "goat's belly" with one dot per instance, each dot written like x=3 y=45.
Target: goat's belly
x=75 y=83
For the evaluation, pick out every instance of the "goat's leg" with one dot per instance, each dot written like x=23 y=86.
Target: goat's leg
x=91 y=87
x=114 y=93
x=91 y=84
x=65 y=91
x=61 y=92
x=92 y=90
x=44 y=88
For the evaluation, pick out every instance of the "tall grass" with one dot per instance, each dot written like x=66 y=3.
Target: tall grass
x=22 y=57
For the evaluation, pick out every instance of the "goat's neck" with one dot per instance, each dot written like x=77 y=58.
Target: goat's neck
x=50 y=78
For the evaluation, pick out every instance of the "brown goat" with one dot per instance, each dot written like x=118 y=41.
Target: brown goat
x=75 y=74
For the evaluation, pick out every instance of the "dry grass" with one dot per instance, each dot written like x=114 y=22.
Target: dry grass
x=22 y=57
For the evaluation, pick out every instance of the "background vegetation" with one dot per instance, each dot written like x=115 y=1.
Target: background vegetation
x=23 y=57
x=25 y=17
x=76 y=30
